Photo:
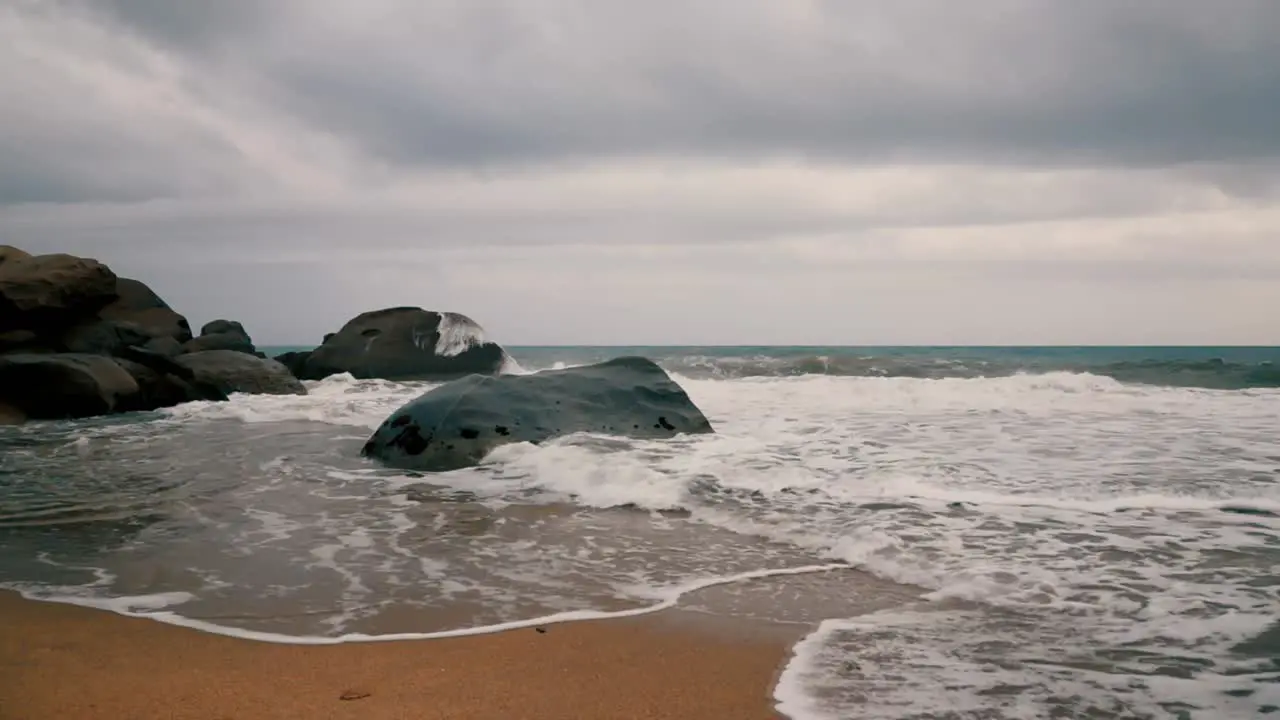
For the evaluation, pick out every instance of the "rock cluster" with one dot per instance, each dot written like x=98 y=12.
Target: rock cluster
x=76 y=340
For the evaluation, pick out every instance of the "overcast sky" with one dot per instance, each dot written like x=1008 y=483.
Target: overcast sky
x=624 y=172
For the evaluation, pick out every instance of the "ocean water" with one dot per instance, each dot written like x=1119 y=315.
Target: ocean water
x=1019 y=532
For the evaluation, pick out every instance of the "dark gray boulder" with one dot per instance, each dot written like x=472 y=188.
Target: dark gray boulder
x=167 y=346
x=137 y=304
x=230 y=372
x=103 y=337
x=405 y=343
x=295 y=360
x=456 y=424
x=158 y=388
x=57 y=386
x=216 y=327
x=221 y=335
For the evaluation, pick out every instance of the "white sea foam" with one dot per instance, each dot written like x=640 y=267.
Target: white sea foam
x=458 y=333
x=152 y=607
x=1062 y=517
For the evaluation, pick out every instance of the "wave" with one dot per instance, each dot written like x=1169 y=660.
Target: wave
x=1216 y=374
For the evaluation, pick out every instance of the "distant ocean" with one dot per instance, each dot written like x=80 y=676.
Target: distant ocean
x=1027 y=532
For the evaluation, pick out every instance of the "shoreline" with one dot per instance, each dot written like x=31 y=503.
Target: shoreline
x=668 y=663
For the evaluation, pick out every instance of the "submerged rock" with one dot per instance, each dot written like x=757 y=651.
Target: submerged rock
x=457 y=424
x=404 y=343
x=230 y=372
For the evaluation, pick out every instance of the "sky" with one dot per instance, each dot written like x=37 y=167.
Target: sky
x=814 y=172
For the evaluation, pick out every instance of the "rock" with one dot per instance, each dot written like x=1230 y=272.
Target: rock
x=167 y=346
x=9 y=253
x=158 y=389
x=406 y=343
x=220 y=341
x=457 y=424
x=16 y=340
x=296 y=361
x=52 y=291
x=138 y=304
x=216 y=327
x=231 y=372
x=222 y=335
x=103 y=337
x=64 y=385
x=10 y=415
x=160 y=362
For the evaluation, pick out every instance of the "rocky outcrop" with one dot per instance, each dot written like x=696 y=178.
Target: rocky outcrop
x=76 y=340
x=402 y=343
x=457 y=424
x=222 y=335
x=235 y=372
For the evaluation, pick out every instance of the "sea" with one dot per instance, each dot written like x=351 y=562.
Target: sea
x=953 y=532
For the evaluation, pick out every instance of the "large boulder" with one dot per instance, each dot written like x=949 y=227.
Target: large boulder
x=405 y=343
x=137 y=304
x=158 y=388
x=222 y=335
x=103 y=337
x=9 y=253
x=41 y=292
x=56 y=386
x=231 y=372
x=456 y=424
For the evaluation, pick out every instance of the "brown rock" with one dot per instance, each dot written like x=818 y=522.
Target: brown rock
x=9 y=253
x=44 y=291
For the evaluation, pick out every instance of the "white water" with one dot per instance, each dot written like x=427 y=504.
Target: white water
x=1072 y=535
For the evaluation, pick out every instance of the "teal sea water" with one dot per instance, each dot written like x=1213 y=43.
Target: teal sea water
x=1227 y=367
x=965 y=532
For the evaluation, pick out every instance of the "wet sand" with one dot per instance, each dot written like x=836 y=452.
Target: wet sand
x=60 y=661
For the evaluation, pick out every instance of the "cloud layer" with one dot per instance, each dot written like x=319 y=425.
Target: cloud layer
x=705 y=172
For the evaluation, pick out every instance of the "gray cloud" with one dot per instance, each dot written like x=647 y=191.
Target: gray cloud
x=706 y=171
x=491 y=82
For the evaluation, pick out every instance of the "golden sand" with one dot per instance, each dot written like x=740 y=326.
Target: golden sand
x=59 y=662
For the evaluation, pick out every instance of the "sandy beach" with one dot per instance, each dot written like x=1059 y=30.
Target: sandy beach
x=60 y=661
